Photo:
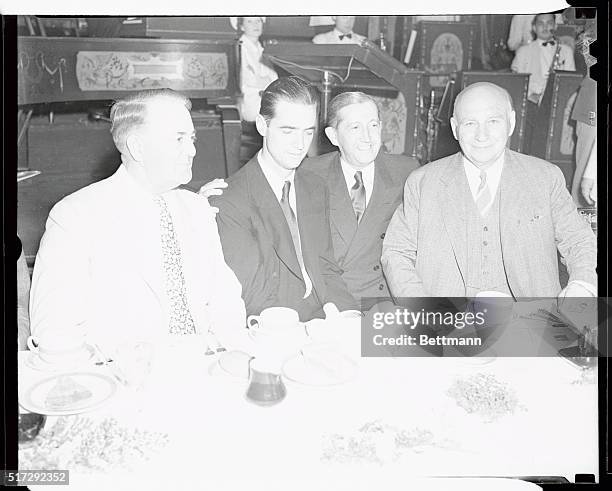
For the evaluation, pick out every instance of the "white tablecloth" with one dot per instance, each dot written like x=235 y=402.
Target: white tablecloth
x=216 y=436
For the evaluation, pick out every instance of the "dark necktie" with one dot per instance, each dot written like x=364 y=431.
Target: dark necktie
x=293 y=225
x=358 y=196
x=348 y=36
x=181 y=321
x=546 y=43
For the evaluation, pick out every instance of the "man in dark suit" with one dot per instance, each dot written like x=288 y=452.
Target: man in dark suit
x=274 y=223
x=365 y=187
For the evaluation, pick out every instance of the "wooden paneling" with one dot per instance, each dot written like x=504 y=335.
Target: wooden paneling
x=74 y=152
x=47 y=68
x=554 y=137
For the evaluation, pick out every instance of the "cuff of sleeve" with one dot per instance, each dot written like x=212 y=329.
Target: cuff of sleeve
x=588 y=286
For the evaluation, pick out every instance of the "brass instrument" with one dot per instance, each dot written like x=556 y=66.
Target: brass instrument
x=553 y=66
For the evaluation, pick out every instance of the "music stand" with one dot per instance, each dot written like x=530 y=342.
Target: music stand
x=343 y=67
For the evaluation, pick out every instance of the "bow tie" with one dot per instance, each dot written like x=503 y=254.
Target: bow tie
x=551 y=42
x=342 y=36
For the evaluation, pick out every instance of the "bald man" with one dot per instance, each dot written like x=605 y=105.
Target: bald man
x=487 y=218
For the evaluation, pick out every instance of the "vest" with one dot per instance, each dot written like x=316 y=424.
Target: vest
x=485 y=265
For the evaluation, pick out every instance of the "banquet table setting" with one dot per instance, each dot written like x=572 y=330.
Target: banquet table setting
x=178 y=415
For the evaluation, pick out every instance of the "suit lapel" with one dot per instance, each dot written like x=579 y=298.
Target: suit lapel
x=454 y=209
x=381 y=198
x=147 y=262
x=341 y=212
x=273 y=218
x=306 y=226
x=513 y=207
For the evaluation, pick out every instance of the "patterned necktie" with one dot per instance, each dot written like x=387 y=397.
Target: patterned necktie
x=358 y=196
x=483 y=195
x=181 y=321
x=293 y=226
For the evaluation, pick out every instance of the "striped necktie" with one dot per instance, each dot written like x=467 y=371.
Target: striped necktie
x=358 y=196
x=483 y=195
x=181 y=321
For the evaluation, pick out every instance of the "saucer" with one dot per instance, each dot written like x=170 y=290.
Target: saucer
x=479 y=360
x=326 y=371
x=68 y=393
x=37 y=363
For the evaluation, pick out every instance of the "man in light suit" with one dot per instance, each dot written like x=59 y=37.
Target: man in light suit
x=341 y=34
x=488 y=218
x=132 y=256
x=273 y=222
x=365 y=187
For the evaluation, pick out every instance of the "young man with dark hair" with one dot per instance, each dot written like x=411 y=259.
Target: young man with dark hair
x=274 y=223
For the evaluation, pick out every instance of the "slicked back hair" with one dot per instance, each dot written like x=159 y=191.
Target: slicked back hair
x=346 y=99
x=131 y=111
x=535 y=18
x=290 y=89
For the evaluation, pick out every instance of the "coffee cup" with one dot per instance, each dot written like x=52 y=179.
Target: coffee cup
x=274 y=322
x=278 y=335
x=59 y=348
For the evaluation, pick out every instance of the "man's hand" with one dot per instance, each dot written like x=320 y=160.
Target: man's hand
x=577 y=304
x=586 y=185
x=574 y=289
x=213 y=188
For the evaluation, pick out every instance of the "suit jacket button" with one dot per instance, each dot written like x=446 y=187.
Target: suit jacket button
x=381 y=287
x=382 y=236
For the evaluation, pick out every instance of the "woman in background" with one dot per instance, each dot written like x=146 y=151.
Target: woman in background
x=255 y=75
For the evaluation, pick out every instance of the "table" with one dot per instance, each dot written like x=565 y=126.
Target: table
x=214 y=435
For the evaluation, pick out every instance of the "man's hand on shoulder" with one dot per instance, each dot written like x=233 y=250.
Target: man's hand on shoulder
x=213 y=188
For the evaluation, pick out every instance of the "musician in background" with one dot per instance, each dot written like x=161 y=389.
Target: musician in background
x=542 y=56
x=342 y=33
x=521 y=30
x=255 y=75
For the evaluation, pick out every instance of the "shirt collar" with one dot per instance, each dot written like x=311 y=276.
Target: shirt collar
x=275 y=175
x=494 y=168
x=349 y=171
x=338 y=33
x=134 y=187
x=493 y=172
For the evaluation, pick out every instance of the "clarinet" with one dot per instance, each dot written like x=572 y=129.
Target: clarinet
x=553 y=66
x=555 y=62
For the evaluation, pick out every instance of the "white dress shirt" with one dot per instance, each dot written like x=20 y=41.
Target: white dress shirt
x=367 y=174
x=493 y=172
x=333 y=37
x=99 y=268
x=276 y=177
x=536 y=59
